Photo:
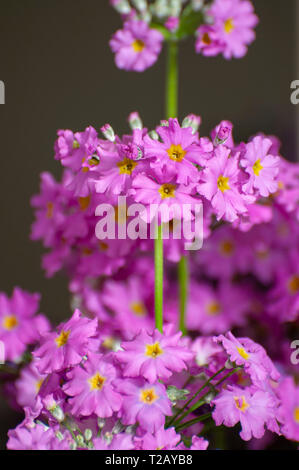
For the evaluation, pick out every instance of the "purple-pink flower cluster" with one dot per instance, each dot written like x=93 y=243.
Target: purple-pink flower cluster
x=223 y=27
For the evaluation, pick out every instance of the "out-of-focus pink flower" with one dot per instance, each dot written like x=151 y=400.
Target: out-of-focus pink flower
x=136 y=46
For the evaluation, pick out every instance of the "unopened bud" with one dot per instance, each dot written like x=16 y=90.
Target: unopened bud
x=135 y=121
x=108 y=132
x=197 y=4
x=122 y=6
x=193 y=121
x=161 y=8
x=140 y=4
x=88 y=434
x=153 y=135
x=101 y=423
x=57 y=413
x=223 y=133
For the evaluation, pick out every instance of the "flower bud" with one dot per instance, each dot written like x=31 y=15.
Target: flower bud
x=223 y=133
x=140 y=4
x=122 y=6
x=197 y=4
x=192 y=120
x=88 y=434
x=153 y=135
x=135 y=121
x=108 y=132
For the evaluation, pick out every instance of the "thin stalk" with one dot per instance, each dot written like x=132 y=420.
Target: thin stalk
x=159 y=278
x=195 y=395
x=183 y=275
x=202 y=401
x=172 y=77
x=193 y=421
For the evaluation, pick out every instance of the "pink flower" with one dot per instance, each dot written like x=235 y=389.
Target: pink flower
x=28 y=385
x=163 y=439
x=19 y=326
x=144 y=403
x=66 y=347
x=121 y=441
x=220 y=185
x=177 y=152
x=283 y=298
x=231 y=31
x=253 y=408
x=208 y=42
x=261 y=166
x=288 y=412
x=71 y=148
x=163 y=198
x=252 y=356
x=154 y=356
x=118 y=168
x=129 y=301
x=199 y=443
x=92 y=389
x=37 y=437
x=216 y=310
x=136 y=46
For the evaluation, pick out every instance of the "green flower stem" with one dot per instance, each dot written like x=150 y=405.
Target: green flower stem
x=172 y=77
x=159 y=278
x=202 y=401
x=183 y=275
x=194 y=396
x=193 y=421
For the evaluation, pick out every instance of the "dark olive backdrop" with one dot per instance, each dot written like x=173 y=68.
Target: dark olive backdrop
x=59 y=73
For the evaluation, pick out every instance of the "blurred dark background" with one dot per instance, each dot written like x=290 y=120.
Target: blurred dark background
x=59 y=73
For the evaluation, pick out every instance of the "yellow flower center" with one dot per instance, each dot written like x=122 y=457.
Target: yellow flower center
x=222 y=183
x=206 y=39
x=176 y=153
x=126 y=166
x=227 y=248
x=96 y=382
x=241 y=403
x=229 y=26
x=257 y=167
x=167 y=190
x=148 y=396
x=120 y=214
x=103 y=246
x=213 y=308
x=153 y=350
x=138 y=45
x=138 y=309
x=10 y=322
x=294 y=284
x=38 y=385
x=62 y=339
x=84 y=202
x=50 y=210
x=296 y=414
x=243 y=353
x=94 y=160
x=76 y=145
